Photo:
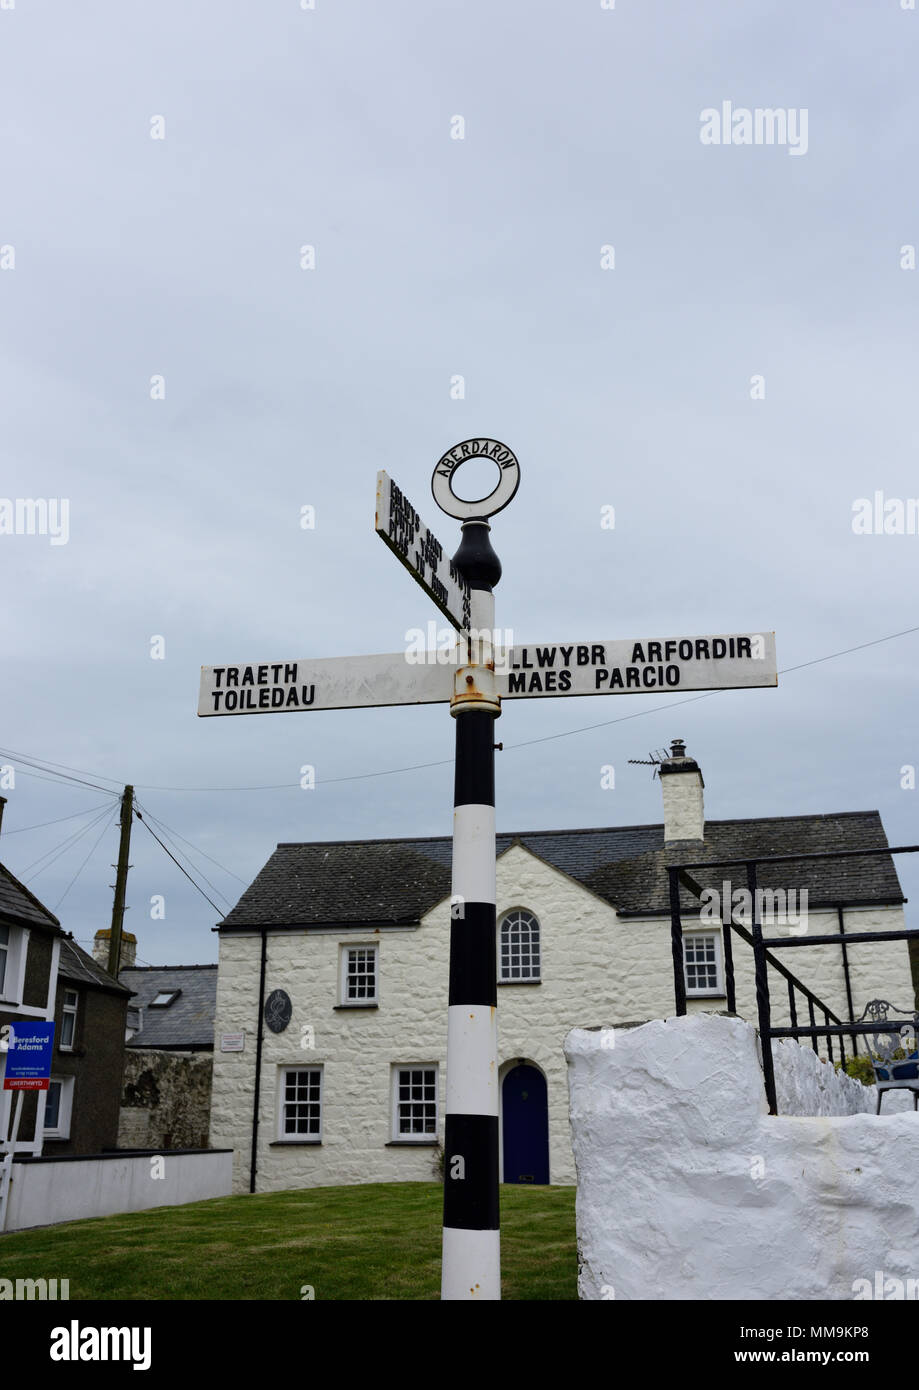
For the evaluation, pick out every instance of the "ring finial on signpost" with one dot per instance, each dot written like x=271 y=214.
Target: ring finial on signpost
x=447 y=465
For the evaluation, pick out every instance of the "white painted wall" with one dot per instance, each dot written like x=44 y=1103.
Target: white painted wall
x=597 y=969
x=805 y=1084
x=688 y=1189
x=43 y=1194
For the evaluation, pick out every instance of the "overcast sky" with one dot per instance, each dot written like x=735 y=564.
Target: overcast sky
x=436 y=257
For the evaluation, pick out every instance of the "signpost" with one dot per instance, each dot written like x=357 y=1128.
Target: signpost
x=475 y=677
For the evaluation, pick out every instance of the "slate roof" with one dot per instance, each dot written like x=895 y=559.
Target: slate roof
x=17 y=904
x=79 y=967
x=392 y=882
x=641 y=884
x=188 y=1022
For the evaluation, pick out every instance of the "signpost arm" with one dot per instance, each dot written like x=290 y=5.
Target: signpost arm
x=471 y=1236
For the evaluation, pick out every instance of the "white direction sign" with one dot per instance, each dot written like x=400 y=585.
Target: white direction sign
x=336 y=682
x=656 y=665
x=421 y=552
x=725 y=662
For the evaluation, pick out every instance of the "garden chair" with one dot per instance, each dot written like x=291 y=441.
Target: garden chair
x=894 y=1055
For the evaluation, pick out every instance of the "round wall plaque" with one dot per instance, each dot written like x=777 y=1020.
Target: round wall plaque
x=442 y=481
x=278 y=1010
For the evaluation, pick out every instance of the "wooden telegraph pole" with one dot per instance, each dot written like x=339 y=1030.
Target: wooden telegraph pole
x=121 y=881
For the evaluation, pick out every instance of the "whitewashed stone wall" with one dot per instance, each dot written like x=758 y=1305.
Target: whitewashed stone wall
x=688 y=1189
x=597 y=969
x=807 y=1085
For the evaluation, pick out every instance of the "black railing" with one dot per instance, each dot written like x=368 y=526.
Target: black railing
x=832 y=1026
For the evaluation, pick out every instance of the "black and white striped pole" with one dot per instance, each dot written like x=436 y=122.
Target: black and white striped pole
x=471 y=1234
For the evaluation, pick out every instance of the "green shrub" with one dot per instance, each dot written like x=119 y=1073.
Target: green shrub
x=860 y=1069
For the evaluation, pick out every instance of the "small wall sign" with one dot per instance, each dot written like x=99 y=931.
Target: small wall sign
x=232 y=1042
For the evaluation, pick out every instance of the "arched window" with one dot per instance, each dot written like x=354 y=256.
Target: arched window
x=518 y=955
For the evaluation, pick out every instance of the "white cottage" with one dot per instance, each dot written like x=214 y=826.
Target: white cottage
x=330 y=1046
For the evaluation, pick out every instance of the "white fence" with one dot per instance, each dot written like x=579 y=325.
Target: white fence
x=46 y=1191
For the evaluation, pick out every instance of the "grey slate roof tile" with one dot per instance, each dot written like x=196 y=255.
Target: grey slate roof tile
x=387 y=882
x=19 y=905
x=77 y=965
x=188 y=1022
x=641 y=884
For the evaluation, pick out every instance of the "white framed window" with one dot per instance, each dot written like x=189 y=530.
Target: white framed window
x=14 y=943
x=414 y=1101
x=58 y=1107
x=301 y=1103
x=360 y=975
x=518 y=947
x=69 y=1020
x=702 y=960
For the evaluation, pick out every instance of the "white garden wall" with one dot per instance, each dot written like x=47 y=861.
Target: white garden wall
x=45 y=1191
x=688 y=1189
x=804 y=1085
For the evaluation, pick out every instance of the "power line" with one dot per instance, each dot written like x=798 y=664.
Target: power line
x=44 y=765
x=73 y=816
x=164 y=827
x=89 y=856
x=175 y=861
x=54 y=854
x=860 y=648
x=159 y=825
x=61 y=781
x=27 y=757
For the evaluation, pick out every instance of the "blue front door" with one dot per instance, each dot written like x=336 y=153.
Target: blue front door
x=525 y=1107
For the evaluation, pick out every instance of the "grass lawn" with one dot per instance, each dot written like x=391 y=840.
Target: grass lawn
x=376 y=1241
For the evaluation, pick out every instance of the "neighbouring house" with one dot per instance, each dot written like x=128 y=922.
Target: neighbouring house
x=45 y=975
x=168 y=1064
x=332 y=984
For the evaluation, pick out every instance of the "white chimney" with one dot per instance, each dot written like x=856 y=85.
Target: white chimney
x=681 y=783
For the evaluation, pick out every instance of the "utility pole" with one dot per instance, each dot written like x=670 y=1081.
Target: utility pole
x=121 y=881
